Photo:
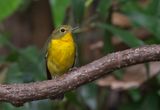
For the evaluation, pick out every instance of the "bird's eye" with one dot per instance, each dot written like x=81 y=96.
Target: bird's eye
x=62 y=30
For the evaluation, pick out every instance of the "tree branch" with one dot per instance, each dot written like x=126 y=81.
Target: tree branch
x=18 y=94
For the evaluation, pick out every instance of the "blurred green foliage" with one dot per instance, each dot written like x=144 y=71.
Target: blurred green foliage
x=124 y=35
x=27 y=64
x=58 y=10
x=7 y=7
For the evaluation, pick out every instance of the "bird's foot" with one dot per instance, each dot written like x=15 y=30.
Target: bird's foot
x=73 y=69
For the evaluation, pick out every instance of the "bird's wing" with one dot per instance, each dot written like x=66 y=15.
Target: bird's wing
x=75 y=57
x=45 y=48
x=48 y=73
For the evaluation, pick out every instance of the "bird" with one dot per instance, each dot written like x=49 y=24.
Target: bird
x=60 y=53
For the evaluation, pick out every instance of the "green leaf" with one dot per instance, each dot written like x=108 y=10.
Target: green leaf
x=31 y=62
x=151 y=40
x=153 y=8
x=151 y=102
x=103 y=7
x=73 y=98
x=130 y=6
x=88 y=3
x=25 y=65
x=108 y=47
x=124 y=35
x=3 y=40
x=78 y=10
x=103 y=11
x=119 y=74
x=14 y=74
x=34 y=105
x=89 y=93
x=148 y=21
x=40 y=105
x=13 y=56
x=8 y=7
x=58 y=10
x=135 y=94
x=129 y=106
x=158 y=79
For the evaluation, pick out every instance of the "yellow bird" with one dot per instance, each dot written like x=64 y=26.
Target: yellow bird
x=61 y=51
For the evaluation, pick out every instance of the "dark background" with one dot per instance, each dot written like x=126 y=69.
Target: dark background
x=105 y=26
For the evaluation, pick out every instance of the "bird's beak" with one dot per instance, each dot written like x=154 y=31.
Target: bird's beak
x=75 y=28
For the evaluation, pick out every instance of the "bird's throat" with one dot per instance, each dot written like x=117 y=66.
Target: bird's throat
x=67 y=37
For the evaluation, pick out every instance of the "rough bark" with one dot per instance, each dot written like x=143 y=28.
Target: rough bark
x=18 y=94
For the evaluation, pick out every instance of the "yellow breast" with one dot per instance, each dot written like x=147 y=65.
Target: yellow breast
x=61 y=55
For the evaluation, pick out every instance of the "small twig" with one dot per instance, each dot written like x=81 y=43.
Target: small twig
x=18 y=94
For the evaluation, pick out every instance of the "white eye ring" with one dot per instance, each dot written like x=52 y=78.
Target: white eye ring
x=63 y=30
